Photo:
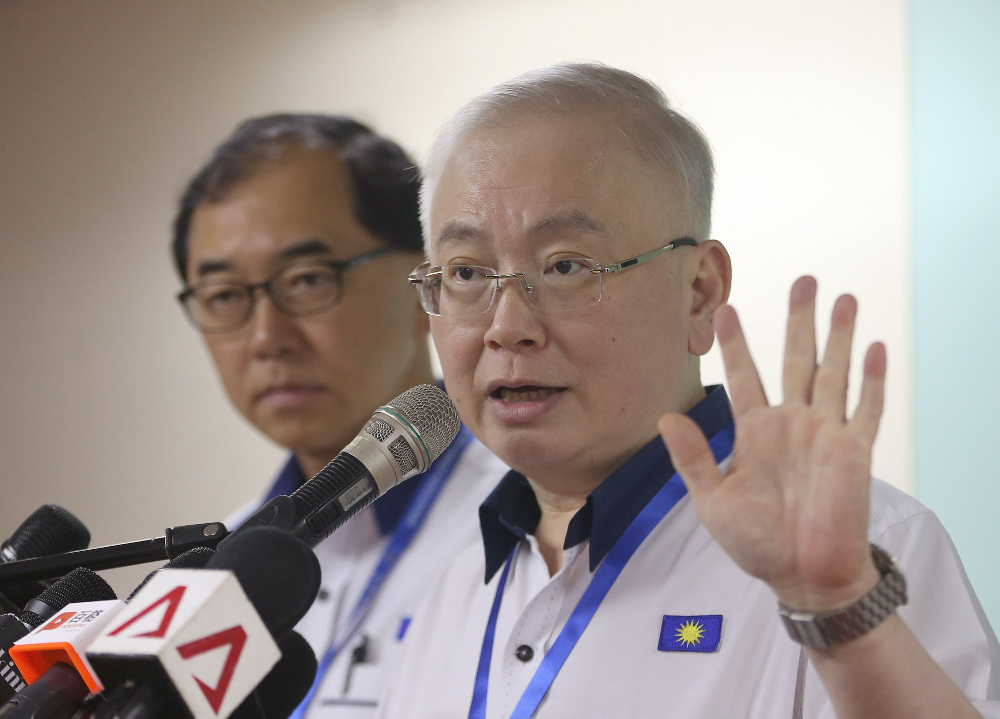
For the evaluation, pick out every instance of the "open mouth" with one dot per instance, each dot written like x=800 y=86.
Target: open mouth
x=526 y=393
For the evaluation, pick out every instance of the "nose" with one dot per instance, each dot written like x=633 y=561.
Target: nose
x=516 y=325
x=273 y=333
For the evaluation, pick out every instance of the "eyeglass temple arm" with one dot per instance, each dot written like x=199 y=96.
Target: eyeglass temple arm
x=645 y=257
x=414 y=280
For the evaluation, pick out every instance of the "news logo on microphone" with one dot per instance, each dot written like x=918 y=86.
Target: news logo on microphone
x=200 y=638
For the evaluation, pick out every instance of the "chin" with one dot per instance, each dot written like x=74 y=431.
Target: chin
x=530 y=451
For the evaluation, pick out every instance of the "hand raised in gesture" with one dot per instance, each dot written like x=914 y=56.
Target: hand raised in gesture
x=792 y=506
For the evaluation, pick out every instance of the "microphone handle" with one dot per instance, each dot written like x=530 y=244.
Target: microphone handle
x=175 y=542
x=57 y=697
x=320 y=506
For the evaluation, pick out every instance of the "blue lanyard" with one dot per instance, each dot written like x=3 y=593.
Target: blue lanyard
x=604 y=578
x=409 y=524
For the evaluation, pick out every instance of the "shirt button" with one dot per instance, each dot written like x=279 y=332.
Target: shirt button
x=323 y=595
x=524 y=653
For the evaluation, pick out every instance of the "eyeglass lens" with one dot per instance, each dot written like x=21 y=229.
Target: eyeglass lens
x=297 y=290
x=459 y=290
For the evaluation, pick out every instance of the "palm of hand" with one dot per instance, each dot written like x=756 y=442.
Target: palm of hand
x=792 y=506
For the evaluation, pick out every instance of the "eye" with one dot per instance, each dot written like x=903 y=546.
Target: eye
x=568 y=267
x=307 y=279
x=220 y=298
x=307 y=282
x=465 y=274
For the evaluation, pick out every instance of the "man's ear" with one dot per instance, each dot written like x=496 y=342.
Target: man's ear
x=710 y=285
x=421 y=320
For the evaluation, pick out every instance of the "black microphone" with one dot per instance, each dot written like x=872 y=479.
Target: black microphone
x=285 y=686
x=80 y=585
x=191 y=559
x=280 y=577
x=49 y=530
x=401 y=440
x=58 y=691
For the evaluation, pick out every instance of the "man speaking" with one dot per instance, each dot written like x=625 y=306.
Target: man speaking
x=744 y=570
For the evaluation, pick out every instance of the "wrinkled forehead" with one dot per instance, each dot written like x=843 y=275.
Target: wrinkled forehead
x=510 y=184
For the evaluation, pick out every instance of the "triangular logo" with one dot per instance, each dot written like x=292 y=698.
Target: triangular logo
x=171 y=598
x=235 y=637
x=58 y=621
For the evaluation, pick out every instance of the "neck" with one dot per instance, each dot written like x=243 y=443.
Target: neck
x=557 y=510
x=561 y=496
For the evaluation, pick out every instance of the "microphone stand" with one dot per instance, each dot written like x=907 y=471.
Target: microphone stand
x=176 y=541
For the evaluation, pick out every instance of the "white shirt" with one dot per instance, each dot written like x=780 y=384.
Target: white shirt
x=350 y=689
x=616 y=669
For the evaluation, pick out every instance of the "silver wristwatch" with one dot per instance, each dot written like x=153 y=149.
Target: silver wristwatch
x=843 y=625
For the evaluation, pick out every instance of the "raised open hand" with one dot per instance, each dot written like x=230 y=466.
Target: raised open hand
x=792 y=506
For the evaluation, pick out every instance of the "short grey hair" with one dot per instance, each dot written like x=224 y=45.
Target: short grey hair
x=640 y=110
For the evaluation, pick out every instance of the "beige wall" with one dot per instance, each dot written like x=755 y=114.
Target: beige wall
x=107 y=402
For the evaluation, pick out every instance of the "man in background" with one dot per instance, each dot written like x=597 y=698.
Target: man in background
x=293 y=242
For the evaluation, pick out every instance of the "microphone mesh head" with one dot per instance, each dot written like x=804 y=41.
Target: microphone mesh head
x=49 y=530
x=432 y=414
x=80 y=585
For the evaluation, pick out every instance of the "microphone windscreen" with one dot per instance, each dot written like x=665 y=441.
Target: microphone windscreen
x=431 y=413
x=279 y=574
x=286 y=685
x=49 y=530
x=195 y=558
x=80 y=585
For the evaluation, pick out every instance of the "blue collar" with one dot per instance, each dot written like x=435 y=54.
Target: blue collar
x=388 y=509
x=511 y=512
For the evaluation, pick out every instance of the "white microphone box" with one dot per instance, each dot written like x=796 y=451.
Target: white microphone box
x=190 y=635
x=65 y=638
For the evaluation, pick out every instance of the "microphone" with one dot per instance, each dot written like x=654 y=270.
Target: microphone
x=285 y=686
x=401 y=440
x=52 y=660
x=191 y=559
x=49 y=530
x=54 y=663
x=159 y=654
x=276 y=697
x=80 y=585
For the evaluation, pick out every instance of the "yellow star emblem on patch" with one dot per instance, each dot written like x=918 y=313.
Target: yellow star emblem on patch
x=690 y=633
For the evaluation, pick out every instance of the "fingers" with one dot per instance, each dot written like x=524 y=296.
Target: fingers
x=690 y=454
x=800 y=343
x=830 y=385
x=869 y=412
x=744 y=381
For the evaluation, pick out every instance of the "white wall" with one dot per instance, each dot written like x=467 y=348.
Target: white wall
x=107 y=401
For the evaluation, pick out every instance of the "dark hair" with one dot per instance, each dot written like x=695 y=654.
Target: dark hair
x=385 y=181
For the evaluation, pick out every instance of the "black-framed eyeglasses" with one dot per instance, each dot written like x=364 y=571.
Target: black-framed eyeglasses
x=562 y=284
x=301 y=289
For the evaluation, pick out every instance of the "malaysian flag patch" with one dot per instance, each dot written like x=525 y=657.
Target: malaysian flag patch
x=698 y=633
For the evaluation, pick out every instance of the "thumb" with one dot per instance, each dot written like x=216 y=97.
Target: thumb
x=690 y=454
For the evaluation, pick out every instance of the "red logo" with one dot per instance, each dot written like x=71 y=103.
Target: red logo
x=58 y=621
x=172 y=599
x=235 y=638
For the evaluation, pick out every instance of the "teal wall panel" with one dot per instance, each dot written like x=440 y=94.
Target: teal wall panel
x=955 y=83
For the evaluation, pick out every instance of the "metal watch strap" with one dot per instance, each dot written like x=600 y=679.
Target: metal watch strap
x=855 y=620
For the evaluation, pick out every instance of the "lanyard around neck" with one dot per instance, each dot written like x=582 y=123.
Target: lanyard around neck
x=417 y=509
x=604 y=578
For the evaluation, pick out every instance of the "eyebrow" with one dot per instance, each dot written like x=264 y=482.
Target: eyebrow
x=307 y=248
x=455 y=230
x=574 y=219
